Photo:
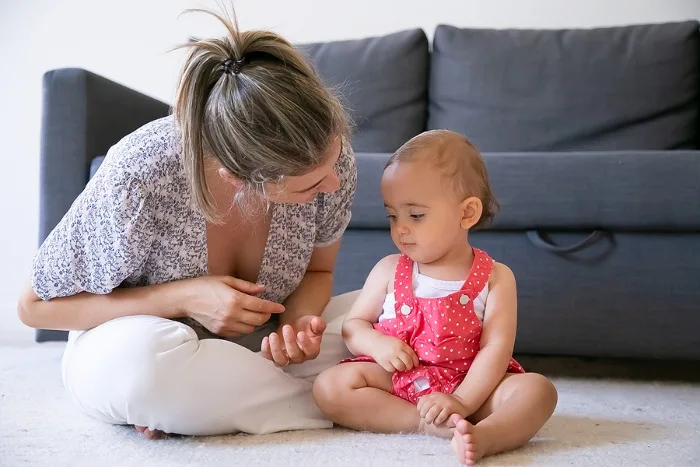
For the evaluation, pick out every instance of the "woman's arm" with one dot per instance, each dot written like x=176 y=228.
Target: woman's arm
x=85 y=310
x=497 y=341
x=314 y=292
x=224 y=305
x=332 y=218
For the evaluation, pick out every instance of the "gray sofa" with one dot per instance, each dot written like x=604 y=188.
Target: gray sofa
x=592 y=141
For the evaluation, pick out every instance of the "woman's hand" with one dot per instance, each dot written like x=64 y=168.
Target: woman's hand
x=295 y=343
x=228 y=306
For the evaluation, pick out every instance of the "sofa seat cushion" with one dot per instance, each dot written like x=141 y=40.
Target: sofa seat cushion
x=612 y=88
x=619 y=190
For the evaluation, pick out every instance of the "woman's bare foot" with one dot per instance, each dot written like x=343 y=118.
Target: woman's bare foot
x=469 y=443
x=151 y=434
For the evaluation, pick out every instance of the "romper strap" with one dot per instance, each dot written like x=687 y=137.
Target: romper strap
x=479 y=274
x=403 y=279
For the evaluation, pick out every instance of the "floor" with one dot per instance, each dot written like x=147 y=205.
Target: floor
x=625 y=415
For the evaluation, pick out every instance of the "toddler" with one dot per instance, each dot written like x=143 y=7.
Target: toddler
x=433 y=328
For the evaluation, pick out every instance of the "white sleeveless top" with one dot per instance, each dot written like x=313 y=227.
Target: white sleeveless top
x=428 y=287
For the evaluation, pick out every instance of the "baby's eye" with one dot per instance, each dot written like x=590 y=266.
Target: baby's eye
x=417 y=216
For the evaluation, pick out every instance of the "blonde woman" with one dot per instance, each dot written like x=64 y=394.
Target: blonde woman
x=194 y=269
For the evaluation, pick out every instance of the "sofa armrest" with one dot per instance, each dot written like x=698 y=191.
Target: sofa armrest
x=83 y=115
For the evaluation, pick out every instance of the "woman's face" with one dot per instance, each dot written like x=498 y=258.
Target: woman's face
x=304 y=188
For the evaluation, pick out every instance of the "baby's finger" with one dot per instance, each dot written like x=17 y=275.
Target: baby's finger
x=427 y=405
x=442 y=417
x=407 y=360
x=414 y=356
x=398 y=364
x=432 y=414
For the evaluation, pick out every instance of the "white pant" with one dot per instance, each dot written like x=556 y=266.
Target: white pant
x=154 y=372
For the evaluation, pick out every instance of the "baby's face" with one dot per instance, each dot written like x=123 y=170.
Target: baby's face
x=425 y=217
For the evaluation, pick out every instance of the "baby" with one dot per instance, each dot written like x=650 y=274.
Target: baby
x=433 y=328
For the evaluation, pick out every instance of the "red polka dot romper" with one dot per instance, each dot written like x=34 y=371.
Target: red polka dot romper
x=444 y=332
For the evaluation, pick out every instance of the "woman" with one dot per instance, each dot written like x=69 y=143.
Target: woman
x=204 y=238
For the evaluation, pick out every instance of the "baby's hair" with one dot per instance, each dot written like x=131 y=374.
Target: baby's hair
x=461 y=164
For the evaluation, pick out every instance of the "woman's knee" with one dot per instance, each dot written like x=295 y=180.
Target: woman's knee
x=118 y=368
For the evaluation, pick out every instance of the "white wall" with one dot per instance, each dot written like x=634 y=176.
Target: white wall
x=127 y=41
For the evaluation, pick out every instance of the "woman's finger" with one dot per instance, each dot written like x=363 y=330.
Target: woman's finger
x=306 y=345
x=252 y=318
x=295 y=354
x=317 y=326
x=242 y=286
x=265 y=348
x=277 y=350
x=258 y=305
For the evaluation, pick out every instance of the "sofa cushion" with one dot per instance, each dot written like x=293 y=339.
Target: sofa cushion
x=619 y=190
x=384 y=82
x=614 y=88
x=95 y=164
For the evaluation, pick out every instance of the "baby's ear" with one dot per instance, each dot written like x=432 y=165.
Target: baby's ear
x=472 y=208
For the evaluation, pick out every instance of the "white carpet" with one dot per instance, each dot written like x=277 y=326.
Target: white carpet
x=597 y=423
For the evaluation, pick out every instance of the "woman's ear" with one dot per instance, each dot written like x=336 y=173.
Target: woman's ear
x=227 y=177
x=472 y=208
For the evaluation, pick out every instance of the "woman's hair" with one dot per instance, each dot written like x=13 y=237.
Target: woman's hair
x=255 y=104
x=460 y=162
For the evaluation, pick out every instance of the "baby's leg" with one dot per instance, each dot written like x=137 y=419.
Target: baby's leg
x=358 y=395
x=516 y=410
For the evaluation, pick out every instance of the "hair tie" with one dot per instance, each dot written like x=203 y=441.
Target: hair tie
x=231 y=65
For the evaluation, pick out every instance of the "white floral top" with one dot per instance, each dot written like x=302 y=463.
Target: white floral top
x=136 y=224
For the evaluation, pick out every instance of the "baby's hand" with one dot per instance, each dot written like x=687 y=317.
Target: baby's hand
x=437 y=407
x=393 y=354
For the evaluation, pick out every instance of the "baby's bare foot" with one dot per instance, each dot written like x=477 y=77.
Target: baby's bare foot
x=469 y=443
x=151 y=434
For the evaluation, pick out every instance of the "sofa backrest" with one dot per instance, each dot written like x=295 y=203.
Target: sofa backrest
x=384 y=82
x=614 y=88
